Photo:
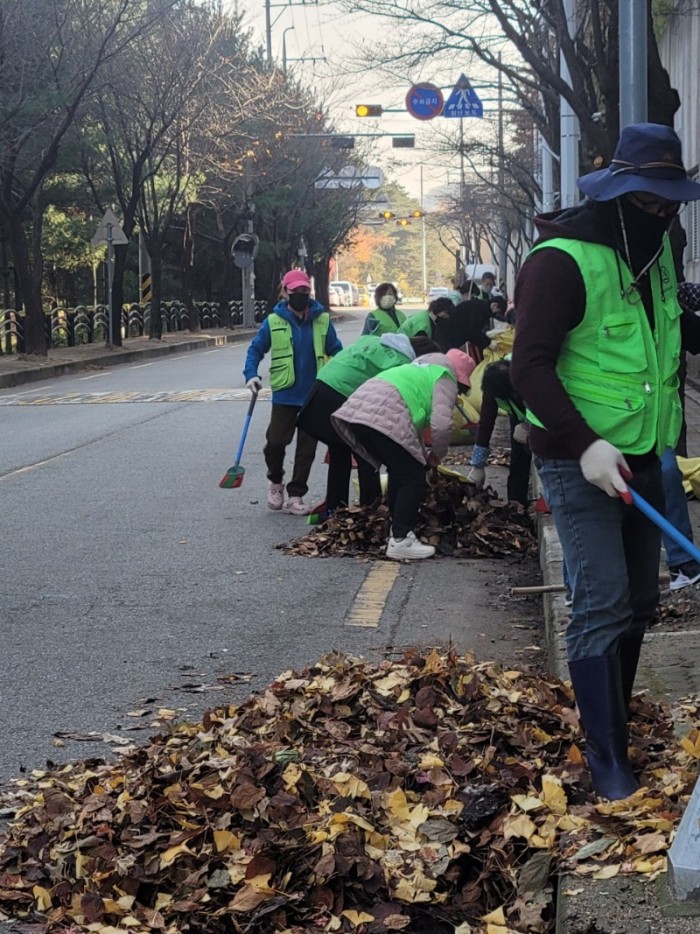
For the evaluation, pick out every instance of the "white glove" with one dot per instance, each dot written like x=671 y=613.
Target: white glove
x=477 y=476
x=604 y=466
x=254 y=384
x=521 y=432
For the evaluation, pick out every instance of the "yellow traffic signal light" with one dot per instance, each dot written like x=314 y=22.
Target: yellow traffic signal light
x=387 y=215
x=368 y=110
x=403 y=222
x=417 y=213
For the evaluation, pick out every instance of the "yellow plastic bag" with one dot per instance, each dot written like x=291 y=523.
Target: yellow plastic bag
x=690 y=468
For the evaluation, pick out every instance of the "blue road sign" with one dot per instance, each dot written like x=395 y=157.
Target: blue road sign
x=463 y=101
x=424 y=101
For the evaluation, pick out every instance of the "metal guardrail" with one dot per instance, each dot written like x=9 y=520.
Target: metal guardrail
x=69 y=327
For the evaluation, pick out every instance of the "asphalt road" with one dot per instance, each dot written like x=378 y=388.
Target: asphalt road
x=131 y=582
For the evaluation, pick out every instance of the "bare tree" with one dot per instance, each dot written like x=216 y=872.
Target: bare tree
x=57 y=49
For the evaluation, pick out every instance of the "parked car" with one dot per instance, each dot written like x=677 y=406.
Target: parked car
x=363 y=295
x=349 y=290
x=437 y=291
x=335 y=297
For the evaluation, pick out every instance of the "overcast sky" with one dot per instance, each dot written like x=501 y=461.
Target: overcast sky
x=338 y=41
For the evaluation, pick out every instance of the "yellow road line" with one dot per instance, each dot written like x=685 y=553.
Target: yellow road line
x=370 y=601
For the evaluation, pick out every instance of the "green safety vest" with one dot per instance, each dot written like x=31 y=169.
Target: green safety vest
x=416 y=383
x=354 y=365
x=417 y=323
x=385 y=323
x=621 y=376
x=282 y=353
x=510 y=408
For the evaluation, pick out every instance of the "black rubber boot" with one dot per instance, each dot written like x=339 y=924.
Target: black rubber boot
x=629 y=648
x=597 y=684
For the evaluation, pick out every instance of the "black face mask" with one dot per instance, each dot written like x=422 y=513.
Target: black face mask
x=298 y=301
x=642 y=225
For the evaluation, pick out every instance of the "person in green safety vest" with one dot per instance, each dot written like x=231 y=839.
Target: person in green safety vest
x=386 y=317
x=384 y=421
x=596 y=357
x=498 y=393
x=300 y=336
x=428 y=322
x=347 y=371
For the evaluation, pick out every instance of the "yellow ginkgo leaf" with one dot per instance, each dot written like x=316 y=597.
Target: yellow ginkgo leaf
x=553 y=794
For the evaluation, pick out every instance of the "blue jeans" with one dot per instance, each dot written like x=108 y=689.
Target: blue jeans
x=611 y=552
x=676 y=510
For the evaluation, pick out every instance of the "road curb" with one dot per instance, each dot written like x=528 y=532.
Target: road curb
x=105 y=357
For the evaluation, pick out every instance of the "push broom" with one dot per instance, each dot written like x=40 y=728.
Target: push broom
x=233 y=478
x=662 y=523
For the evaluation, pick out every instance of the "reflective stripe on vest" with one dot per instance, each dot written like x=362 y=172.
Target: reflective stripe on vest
x=282 y=352
x=621 y=376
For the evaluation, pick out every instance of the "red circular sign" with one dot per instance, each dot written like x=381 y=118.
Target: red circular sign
x=425 y=101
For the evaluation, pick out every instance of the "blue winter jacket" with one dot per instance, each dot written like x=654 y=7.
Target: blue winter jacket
x=303 y=346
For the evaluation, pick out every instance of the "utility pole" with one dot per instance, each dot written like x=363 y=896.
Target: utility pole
x=633 y=62
x=502 y=235
x=424 y=255
x=268 y=30
x=568 y=124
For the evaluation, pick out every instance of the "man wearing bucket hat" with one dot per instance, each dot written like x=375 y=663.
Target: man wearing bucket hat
x=300 y=336
x=596 y=357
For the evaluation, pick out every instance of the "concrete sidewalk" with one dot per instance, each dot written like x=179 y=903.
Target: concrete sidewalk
x=16 y=369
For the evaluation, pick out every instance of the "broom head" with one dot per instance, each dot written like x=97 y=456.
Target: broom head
x=233 y=478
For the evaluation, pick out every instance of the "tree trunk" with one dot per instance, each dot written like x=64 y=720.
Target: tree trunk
x=120 y=252
x=35 y=341
x=155 y=331
x=321 y=273
x=187 y=269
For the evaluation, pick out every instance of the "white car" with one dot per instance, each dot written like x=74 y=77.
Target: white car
x=335 y=298
x=437 y=291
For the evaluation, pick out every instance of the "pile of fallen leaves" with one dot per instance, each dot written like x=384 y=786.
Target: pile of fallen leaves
x=429 y=794
x=456 y=518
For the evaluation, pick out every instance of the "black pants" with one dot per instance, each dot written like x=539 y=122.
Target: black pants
x=407 y=482
x=518 y=485
x=315 y=420
x=280 y=432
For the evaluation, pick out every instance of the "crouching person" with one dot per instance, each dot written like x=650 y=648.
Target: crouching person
x=384 y=422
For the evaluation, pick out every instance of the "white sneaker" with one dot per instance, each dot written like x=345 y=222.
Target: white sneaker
x=409 y=547
x=296 y=506
x=275 y=496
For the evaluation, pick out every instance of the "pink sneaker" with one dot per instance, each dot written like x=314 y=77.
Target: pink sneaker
x=275 y=496
x=296 y=506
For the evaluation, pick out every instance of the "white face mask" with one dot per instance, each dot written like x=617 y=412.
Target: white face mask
x=387 y=301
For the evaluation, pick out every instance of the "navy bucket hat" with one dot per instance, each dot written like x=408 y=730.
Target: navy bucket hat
x=647 y=158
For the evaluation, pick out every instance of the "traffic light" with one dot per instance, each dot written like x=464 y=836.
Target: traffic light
x=403 y=222
x=403 y=142
x=368 y=110
x=417 y=213
x=387 y=215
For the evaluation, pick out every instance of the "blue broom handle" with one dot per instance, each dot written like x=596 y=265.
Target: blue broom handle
x=246 y=425
x=665 y=526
